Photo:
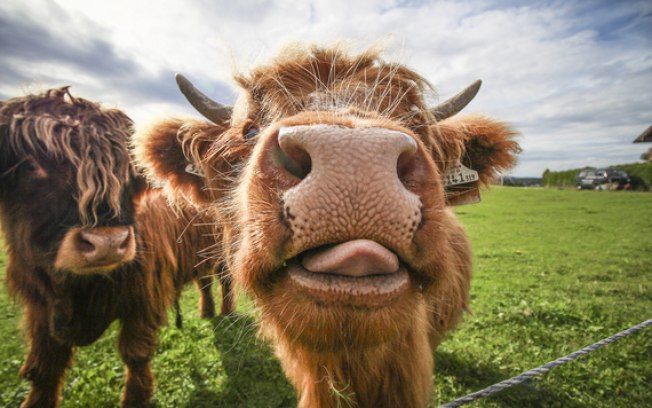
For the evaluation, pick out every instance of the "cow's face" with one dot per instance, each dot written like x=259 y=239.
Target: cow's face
x=68 y=187
x=331 y=182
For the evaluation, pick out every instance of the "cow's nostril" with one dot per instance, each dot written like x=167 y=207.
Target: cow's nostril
x=125 y=241
x=296 y=161
x=293 y=158
x=405 y=165
x=407 y=162
x=84 y=245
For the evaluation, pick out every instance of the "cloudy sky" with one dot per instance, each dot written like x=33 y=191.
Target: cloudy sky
x=574 y=77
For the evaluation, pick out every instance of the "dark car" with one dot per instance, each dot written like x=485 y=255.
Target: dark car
x=602 y=179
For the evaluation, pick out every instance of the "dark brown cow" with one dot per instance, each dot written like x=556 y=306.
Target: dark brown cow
x=333 y=181
x=81 y=252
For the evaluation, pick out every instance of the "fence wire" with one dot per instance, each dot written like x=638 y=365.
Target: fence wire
x=544 y=368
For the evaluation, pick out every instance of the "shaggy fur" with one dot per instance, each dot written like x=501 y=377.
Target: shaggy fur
x=46 y=126
x=65 y=165
x=338 y=352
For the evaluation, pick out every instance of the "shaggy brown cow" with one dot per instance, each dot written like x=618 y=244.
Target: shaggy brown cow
x=333 y=181
x=81 y=253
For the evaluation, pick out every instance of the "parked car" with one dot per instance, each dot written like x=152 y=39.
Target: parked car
x=602 y=179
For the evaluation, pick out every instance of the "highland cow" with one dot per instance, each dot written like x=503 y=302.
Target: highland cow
x=89 y=241
x=333 y=182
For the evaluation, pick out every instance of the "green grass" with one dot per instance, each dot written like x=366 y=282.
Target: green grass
x=554 y=271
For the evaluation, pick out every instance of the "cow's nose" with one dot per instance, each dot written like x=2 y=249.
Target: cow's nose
x=104 y=244
x=350 y=183
x=370 y=149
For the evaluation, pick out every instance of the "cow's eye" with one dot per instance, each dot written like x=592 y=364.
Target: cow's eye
x=32 y=169
x=251 y=133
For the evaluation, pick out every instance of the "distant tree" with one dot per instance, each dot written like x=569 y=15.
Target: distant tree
x=647 y=156
x=545 y=178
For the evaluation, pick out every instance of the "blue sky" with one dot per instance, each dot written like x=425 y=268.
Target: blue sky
x=574 y=77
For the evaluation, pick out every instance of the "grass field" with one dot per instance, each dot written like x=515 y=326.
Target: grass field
x=554 y=271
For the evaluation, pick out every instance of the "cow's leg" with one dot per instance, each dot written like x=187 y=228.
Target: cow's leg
x=228 y=298
x=206 y=302
x=46 y=362
x=178 y=320
x=137 y=345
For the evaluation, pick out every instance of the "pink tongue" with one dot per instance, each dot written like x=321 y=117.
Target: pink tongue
x=356 y=258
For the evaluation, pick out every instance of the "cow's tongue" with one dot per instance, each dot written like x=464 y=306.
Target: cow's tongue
x=355 y=258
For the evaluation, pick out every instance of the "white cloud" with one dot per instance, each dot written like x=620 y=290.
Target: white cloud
x=572 y=76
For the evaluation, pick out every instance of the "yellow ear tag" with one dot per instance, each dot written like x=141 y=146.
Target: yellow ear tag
x=461 y=184
x=460 y=174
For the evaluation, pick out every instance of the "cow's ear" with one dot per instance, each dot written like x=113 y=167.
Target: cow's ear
x=171 y=154
x=139 y=186
x=475 y=150
x=194 y=160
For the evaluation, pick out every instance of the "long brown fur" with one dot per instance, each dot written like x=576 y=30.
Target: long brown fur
x=336 y=355
x=45 y=125
x=45 y=139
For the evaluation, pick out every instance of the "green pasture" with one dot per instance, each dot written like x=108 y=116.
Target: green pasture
x=554 y=271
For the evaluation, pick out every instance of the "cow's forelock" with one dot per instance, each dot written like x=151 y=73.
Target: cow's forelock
x=317 y=79
x=95 y=145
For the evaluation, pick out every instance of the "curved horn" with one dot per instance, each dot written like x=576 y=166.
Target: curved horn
x=456 y=103
x=213 y=111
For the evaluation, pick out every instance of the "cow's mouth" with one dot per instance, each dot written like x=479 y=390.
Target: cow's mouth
x=359 y=272
x=97 y=268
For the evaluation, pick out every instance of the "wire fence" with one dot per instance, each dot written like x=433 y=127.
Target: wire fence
x=493 y=389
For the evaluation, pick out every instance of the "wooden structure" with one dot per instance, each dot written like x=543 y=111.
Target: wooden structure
x=646 y=137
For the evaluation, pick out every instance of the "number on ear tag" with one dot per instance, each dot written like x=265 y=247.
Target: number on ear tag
x=460 y=174
x=461 y=185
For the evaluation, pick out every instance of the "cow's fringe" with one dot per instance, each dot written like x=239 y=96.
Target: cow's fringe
x=91 y=138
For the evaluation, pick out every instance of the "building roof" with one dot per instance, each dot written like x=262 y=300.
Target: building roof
x=645 y=136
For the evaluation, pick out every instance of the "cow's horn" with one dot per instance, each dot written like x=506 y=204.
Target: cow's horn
x=213 y=111
x=456 y=103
